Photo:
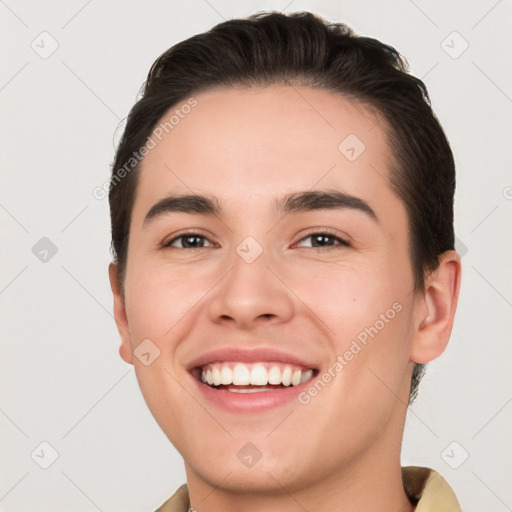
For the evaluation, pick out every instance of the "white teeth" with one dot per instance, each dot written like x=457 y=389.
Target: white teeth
x=296 y=377
x=240 y=375
x=250 y=390
x=306 y=376
x=286 y=376
x=259 y=375
x=274 y=375
x=254 y=374
x=226 y=375
x=216 y=376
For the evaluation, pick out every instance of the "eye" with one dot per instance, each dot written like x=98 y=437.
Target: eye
x=189 y=240
x=324 y=239
x=193 y=240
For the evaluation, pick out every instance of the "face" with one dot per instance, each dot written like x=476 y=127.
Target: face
x=317 y=289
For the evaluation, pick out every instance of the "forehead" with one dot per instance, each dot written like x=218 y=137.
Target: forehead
x=254 y=145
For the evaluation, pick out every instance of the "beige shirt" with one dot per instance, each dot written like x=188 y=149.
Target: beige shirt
x=425 y=488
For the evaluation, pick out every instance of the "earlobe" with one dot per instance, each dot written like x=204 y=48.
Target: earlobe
x=125 y=353
x=435 y=310
x=125 y=349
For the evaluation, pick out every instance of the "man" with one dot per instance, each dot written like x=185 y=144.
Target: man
x=284 y=265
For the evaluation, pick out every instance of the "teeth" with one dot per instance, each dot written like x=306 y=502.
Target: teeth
x=226 y=375
x=259 y=375
x=274 y=375
x=216 y=376
x=286 y=376
x=255 y=374
x=241 y=375
x=306 y=376
x=251 y=390
x=296 y=378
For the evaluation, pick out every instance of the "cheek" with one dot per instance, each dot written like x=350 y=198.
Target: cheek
x=346 y=296
x=364 y=311
x=158 y=298
x=160 y=307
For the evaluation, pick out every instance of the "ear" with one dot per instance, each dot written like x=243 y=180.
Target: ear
x=435 y=309
x=125 y=350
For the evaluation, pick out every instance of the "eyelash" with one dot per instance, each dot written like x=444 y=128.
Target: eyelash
x=337 y=238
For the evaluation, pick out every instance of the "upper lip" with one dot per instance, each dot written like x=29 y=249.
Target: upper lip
x=239 y=354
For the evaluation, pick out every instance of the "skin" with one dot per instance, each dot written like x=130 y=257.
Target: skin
x=249 y=147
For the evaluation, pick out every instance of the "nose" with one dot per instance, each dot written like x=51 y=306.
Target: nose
x=251 y=294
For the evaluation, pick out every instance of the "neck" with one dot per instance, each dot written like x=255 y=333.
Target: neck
x=370 y=479
x=374 y=485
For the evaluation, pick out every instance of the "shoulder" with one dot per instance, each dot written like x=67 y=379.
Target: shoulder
x=178 y=502
x=429 y=490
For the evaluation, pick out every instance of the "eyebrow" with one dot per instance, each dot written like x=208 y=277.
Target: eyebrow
x=296 y=202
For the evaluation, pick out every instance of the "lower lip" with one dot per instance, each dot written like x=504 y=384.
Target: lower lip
x=250 y=402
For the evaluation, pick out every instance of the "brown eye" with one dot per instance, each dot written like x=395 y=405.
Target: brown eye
x=188 y=241
x=327 y=240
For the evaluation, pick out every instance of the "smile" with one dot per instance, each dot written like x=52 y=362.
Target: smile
x=242 y=380
x=239 y=377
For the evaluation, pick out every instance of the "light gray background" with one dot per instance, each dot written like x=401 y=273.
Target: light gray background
x=62 y=380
